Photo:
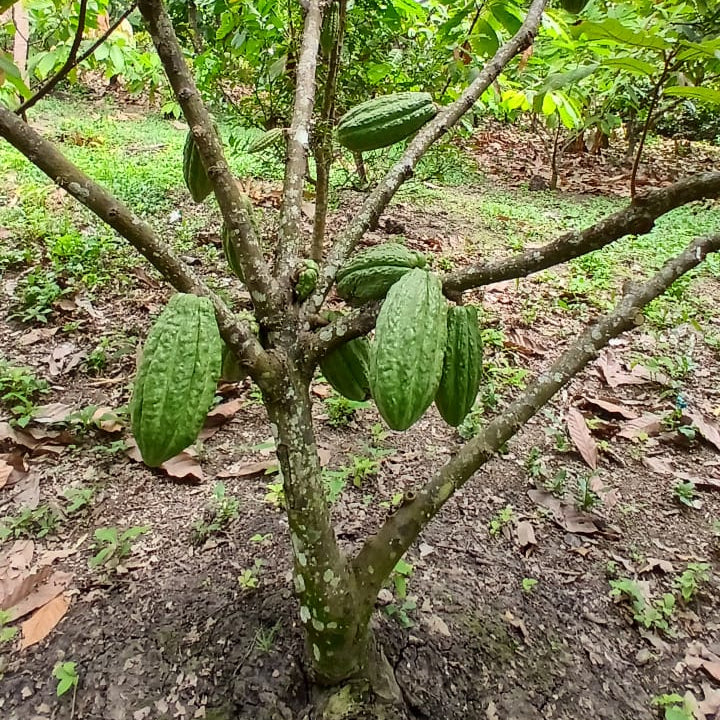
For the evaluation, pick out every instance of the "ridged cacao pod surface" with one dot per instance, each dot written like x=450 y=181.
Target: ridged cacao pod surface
x=176 y=380
x=462 y=365
x=384 y=120
x=346 y=369
x=196 y=178
x=406 y=357
x=370 y=273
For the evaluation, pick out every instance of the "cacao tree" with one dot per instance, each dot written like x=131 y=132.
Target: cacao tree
x=415 y=353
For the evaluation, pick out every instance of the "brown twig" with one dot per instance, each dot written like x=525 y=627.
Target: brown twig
x=646 y=126
x=235 y=206
x=323 y=149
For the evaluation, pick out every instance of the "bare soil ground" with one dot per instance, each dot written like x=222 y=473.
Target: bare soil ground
x=171 y=632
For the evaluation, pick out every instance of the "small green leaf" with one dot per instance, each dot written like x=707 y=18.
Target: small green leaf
x=612 y=29
x=633 y=65
x=703 y=94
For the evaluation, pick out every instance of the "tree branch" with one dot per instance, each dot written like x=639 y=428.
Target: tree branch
x=68 y=65
x=379 y=198
x=380 y=553
x=324 y=128
x=637 y=218
x=264 y=290
x=298 y=143
x=356 y=323
x=141 y=236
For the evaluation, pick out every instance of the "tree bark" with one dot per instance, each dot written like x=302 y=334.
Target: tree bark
x=336 y=625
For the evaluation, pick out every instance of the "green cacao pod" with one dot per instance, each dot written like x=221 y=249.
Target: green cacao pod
x=231 y=370
x=384 y=120
x=196 y=178
x=462 y=366
x=346 y=369
x=406 y=359
x=231 y=252
x=266 y=140
x=574 y=6
x=307 y=279
x=329 y=32
x=175 y=383
x=369 y=274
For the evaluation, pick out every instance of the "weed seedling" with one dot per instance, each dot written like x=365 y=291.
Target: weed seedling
x=265 y=637
x=501 y=519
x=36 y=523
x=248 y=579
x=363 y=468
x=557 y=484
x=690 y=580
x=685 y=493
x=535 y=463
x=111 y=546
x=275 y=494
x=19 y=389
x=78 y=498
x=67 y=677
x=649 y=616
x=528 y=585
x=399 y=612
x=261 y=539
x=221 y=511
x=402 y=572
x=334 y=481
x=674 y=707
x=586 y=497
x=340 y=410
x=7 y=634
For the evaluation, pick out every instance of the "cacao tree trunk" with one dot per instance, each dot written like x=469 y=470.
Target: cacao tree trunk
x=335 y=617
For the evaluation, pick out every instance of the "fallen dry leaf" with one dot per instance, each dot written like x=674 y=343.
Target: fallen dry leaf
x=250 y=469
x=710 y=704
x=27 y=491
x=107 y=420
x=525 y=534
x=184 y=466
x=36 y=335
x=14 y=565
x=581 y=437
x=322 y=391
x=612 y=407
x=223 y=412
x=565 y=515
x=656 y=564
x=6 y=470
x=52 y=413
x=47 y=585
x=613 y=372
x=524 y=342
x=647 y=424
x=39 y=625
x=708 y=429
x=658 y=465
